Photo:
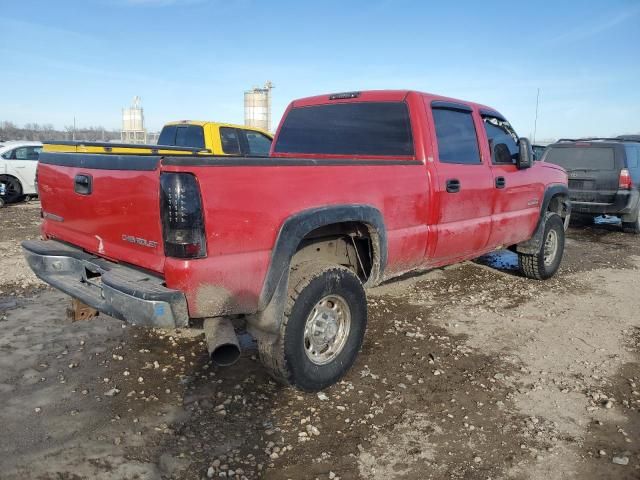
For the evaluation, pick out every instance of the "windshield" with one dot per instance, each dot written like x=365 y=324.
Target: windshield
x=582 y=158
x=366 y=128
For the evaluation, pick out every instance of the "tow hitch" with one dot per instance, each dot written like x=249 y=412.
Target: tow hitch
x=80 y=311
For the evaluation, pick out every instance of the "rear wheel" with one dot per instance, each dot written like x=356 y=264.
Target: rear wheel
x=632 y=227
x=545 y=263
x=322 y=329
x=12 y=189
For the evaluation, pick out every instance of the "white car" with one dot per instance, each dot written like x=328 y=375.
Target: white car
x=18 y=163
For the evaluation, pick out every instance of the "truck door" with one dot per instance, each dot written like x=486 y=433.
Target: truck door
x=464 y=194
x=518 y=193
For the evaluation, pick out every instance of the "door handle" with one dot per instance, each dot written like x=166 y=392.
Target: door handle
x=453 y=185
x=82 y=184
x=501 y=182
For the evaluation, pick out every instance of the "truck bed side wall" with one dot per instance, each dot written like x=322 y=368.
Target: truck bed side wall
x=245 y=206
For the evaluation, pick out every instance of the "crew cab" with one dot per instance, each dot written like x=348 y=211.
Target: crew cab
x=604 y=177
x=185 y=137
x=359 y=187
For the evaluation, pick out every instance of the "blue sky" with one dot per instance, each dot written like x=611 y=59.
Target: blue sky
x=194 y=58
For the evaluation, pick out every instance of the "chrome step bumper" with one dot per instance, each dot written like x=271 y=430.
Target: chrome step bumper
x=123 y=292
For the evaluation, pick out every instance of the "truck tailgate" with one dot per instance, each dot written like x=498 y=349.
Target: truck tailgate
x=106 y=204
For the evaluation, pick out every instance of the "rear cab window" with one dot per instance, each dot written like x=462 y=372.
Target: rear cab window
x=182 y=136
x=353 y=128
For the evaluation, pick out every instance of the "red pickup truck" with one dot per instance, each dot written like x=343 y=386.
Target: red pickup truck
x=359 y=187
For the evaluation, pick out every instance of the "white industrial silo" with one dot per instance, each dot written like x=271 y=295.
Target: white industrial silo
x=257 y=107
x=133 y=130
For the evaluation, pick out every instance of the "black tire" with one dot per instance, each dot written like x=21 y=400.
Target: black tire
x=13 y=189
x=534 y=266
x=286 y=358
x=632 y=227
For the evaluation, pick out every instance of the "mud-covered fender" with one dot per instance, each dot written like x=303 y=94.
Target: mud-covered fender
x=532 y=245
x=292 y=232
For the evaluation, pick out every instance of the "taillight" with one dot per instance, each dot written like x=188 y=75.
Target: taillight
x=182 y=220
x=625 y=180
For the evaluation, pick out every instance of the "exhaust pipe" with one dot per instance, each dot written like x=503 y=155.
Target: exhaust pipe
x=222 y=341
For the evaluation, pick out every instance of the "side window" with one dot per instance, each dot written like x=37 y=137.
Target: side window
x=229 y=140
x=259 y=144
x=503 y=141
x=633 y=157
x=456 y=134
x=22 y=153
x=33 y=153
x=9 y=155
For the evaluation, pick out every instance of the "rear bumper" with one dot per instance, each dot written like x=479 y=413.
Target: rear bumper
x=120 y=291
x=625 y=202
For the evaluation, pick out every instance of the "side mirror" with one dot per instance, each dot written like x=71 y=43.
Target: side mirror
x=525 y=156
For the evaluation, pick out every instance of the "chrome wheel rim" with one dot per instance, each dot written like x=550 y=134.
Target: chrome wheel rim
x=327 y=329
x=550 y=247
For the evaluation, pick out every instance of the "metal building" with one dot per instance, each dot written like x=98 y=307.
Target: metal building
x=257 y=107
x=133 y=130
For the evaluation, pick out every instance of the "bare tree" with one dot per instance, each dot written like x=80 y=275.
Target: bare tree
x=47 y=132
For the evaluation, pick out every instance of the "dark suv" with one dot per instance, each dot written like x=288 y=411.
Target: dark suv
x=604 y=177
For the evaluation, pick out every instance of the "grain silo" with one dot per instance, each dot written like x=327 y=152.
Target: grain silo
x=257 y=107
x=133 y=130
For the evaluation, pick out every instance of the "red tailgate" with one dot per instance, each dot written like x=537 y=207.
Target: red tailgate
x=105 y=204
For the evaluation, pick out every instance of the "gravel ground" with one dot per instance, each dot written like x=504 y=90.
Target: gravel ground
x=467 y=372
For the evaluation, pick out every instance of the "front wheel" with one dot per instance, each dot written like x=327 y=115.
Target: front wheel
x=322 y=330
x=545 y=263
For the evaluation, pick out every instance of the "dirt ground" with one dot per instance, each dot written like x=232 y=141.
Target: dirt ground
x=467 y=372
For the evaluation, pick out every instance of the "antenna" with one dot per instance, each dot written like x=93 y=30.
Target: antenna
x=535 y=122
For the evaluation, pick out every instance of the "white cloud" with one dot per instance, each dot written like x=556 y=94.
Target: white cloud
x=598 y=25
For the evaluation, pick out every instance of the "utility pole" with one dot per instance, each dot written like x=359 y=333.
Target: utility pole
x=535 y=123
x=73 y=134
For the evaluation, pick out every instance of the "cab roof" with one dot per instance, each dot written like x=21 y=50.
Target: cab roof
x=381 y=96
